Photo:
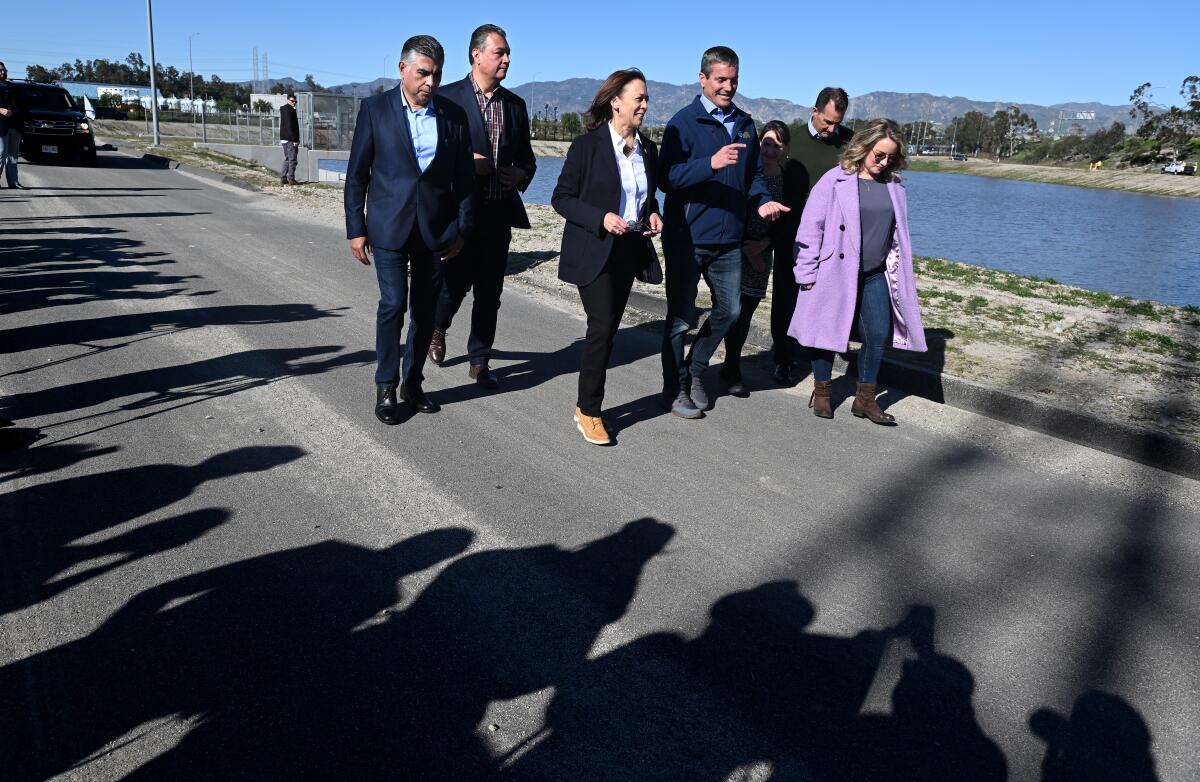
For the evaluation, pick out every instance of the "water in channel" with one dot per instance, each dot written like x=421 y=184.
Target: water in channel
x=1129 y=244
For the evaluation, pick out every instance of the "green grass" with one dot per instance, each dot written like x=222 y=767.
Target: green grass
x=976 y=304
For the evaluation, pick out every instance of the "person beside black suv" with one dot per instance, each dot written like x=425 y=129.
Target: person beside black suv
x=10 y=129
x=51 y=125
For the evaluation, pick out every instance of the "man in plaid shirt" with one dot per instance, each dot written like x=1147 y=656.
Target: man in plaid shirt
x=504 y=166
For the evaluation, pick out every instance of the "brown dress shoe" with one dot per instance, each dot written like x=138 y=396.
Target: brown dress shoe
x=866 y=407
x=437 y=347
x=592 y=428
x=484 y=376
x=821 y=400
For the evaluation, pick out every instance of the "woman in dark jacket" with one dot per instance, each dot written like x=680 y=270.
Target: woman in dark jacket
x=606 y=193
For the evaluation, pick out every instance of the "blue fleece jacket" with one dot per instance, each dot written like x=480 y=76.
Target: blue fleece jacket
x=705 y=206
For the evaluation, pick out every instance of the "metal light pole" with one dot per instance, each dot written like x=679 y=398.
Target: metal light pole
x=191 y=77
x=153 y=80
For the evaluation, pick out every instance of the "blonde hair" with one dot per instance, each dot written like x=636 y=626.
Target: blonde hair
x=855 y=154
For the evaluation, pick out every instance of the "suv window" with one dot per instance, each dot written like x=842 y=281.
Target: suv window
x=45 y=98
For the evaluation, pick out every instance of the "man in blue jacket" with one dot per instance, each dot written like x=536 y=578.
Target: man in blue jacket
x=410 y=167
x=712 y=174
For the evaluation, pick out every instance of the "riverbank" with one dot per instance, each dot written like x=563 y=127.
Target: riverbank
x=1127 y=360
x=1133 y=180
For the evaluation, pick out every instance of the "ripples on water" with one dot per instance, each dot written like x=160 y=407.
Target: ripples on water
x=1131 y=244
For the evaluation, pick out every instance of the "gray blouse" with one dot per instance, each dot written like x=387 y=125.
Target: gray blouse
x=877 y=218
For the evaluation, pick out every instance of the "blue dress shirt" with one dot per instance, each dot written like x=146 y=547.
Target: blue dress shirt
x=422 y=128
x=728 y=119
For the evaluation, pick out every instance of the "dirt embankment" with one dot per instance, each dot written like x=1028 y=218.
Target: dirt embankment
x=1133 y=179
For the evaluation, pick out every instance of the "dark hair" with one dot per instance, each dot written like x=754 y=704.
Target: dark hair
x=480 y=36
x=717 y=54
x=601 y=109
x=423 y=46
x=841 y=101
x=291 y=96
x=779 y=129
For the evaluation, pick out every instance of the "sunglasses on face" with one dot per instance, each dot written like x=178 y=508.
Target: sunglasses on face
x=882 y=156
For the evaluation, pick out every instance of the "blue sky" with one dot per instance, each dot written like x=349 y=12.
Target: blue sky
x=1047 y=53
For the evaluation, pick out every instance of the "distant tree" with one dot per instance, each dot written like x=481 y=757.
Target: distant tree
x=571 y=123
x=311 y=84
x=263 y=106
x=44 y=75
x=1173 y=126
x=379 y=90
x=279 y=88
x=1102 y=143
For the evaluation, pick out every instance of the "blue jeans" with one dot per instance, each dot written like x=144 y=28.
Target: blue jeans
x=10 y=147
x=721 y=267
x=874 y=326
x=395 y=286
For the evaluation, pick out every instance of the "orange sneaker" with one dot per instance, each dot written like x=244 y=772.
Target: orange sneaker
x=592 y=428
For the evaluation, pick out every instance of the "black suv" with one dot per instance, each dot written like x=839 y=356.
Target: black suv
x=51 y=126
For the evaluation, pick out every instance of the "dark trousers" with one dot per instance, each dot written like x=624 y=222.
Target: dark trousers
x=480 y=266
x=783 y=305
x=405 y=274
x=874 y=327
x=721 y=268
x=291 y=150
x=604 y=301
x=735 y=338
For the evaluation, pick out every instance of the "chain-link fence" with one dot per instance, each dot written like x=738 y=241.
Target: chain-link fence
x=326 y=123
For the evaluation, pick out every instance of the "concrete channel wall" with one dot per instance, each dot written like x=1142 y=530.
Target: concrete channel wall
x=309 y=167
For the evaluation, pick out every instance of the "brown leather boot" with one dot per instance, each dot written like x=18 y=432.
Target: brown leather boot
x=865 y=406
x=821 y=400
x=437 y=347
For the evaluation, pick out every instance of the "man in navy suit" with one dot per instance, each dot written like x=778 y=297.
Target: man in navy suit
x=504 y=165
x=410 y=166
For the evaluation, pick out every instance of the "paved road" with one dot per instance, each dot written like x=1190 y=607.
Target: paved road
x=216 y=564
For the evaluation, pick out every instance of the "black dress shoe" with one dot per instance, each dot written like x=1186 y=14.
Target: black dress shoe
x=18 y=186
x=484 y=376
x=733 y=383
x=782 y=375
x=386 y=407
x=416 y=398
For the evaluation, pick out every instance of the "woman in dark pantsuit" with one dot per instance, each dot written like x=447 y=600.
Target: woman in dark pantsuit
x=606 y=193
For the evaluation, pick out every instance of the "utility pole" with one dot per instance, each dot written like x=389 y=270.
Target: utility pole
x=191 y=78
x=153 y=80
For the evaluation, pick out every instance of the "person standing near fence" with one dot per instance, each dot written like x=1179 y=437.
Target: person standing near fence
x=410 y=168
x=289 y=137
x=711 y=171
x=504 y=165
x=10 y=130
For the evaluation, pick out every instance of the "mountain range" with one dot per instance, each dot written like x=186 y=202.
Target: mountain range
x=575 y=95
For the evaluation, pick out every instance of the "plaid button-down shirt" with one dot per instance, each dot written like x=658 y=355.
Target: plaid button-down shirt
x=492 y=110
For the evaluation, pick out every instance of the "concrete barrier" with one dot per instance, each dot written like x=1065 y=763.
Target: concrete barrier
x=312 y=165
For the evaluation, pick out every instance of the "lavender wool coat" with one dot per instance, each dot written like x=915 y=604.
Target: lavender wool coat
x=827 y=255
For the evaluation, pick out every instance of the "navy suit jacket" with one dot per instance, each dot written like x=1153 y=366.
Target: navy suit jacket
x=588 y=188
x=515 y=149
x=383 y=176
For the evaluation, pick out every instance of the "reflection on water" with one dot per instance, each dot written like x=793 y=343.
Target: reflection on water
x=1127 y=243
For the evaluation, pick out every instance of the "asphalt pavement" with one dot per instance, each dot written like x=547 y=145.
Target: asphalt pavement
x=216 y=564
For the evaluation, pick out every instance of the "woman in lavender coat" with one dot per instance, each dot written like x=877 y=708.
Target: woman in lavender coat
x=854 y=261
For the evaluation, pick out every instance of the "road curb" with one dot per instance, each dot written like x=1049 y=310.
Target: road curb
x=1127 y=441
x=170 y=163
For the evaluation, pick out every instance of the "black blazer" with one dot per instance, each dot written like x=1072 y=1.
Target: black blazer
x=588 y=188
x=515 y=148
x=383 y=176
x=289 y=124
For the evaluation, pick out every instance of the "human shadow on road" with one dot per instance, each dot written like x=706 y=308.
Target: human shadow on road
x=97 y=217
x=156 y=390
x=22 y=461
x=45 y=527
x=1103 y=740
x=298 y=664
x=89 y=333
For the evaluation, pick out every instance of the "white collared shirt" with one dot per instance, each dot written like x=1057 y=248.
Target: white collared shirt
x=633 y=176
